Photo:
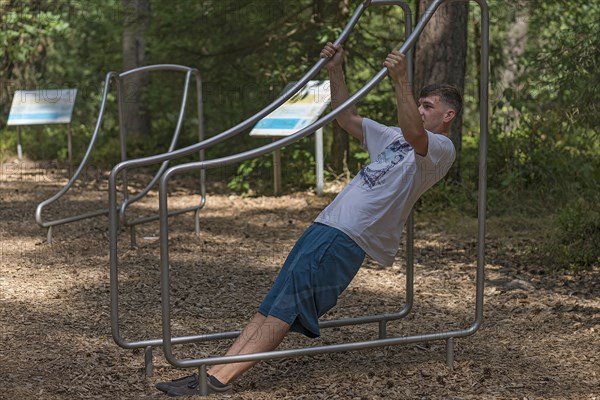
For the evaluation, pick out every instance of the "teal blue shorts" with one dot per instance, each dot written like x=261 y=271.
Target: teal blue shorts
x=321 y=265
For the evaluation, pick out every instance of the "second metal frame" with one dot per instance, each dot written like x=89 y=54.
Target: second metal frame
x=118 y=79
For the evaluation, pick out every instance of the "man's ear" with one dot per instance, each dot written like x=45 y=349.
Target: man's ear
x=449 y=116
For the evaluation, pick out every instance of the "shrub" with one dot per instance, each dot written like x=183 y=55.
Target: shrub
x=574 y=242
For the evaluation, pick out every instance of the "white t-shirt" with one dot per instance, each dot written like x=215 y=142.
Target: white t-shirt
x=374 y=206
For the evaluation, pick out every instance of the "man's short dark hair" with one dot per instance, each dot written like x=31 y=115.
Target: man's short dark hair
x=448 y=94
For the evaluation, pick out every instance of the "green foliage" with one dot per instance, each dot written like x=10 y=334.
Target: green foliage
x=297 y=170
x=27 y=34
x=544 y=146
x=574 y=243
x=245 y=171
x=544 y=131
x=564 y=88
x=58 y=44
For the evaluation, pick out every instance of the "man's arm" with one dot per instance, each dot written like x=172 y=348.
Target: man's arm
x=409 y=117
x=349 y=119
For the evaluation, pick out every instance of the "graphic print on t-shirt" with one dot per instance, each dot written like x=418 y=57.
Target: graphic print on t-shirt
x=372 y=175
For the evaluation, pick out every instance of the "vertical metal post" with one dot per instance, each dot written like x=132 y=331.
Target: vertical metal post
x=133 y=237
x=410 y=261
x=319 y=160
x=148 y=361
x=69 y=144
x=382 y=329
x=202 y=380
x=122 y=130
x=483 y=138
x=123 y=140
x=410 y=224
x=197 y=221
x=19 y=146
x=450 y=352
x=201 y=155
x=276 y=171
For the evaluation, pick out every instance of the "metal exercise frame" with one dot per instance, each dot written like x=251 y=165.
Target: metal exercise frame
x=168 y=341
x=118 y=79
x=241 y=127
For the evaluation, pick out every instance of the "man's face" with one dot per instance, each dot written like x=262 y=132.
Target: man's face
x=434 y=114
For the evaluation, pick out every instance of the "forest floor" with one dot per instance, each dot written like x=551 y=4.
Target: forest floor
x=540 y=337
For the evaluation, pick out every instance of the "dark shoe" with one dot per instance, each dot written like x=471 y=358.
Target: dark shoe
x=166 y=386
x=193 y=389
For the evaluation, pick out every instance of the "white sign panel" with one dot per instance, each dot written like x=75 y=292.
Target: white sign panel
x=33 y=107
x=301 y=110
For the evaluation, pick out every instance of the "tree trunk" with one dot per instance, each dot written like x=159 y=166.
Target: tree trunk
x=441 y=58
x=136 y=24
x=515 y=47
x=340 y=146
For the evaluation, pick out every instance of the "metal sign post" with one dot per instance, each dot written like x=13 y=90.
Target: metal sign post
x=39 y=107
x=298 y=112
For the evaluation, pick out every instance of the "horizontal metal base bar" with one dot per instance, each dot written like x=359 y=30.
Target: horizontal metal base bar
x=97 y=213
x=181 y=340
x=156 y=217
x=233 y=334
x=74 y=218
x=311 y=351
x=370 y=319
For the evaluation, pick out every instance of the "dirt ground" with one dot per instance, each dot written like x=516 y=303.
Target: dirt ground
x=540 y=338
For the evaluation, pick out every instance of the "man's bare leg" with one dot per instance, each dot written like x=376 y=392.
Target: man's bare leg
x=248 y=334
x=260 y=334
x=267 y=337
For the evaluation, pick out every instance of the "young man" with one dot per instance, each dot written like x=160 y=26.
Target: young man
x=365 y=218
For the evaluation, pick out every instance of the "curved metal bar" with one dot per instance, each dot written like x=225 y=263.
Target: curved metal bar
x=171 y=147
x=449 y=335
x=362 y=92
x=39 y=209
x=155 y=67
x=163 y=212
x=248 y=123
x=200 y=113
